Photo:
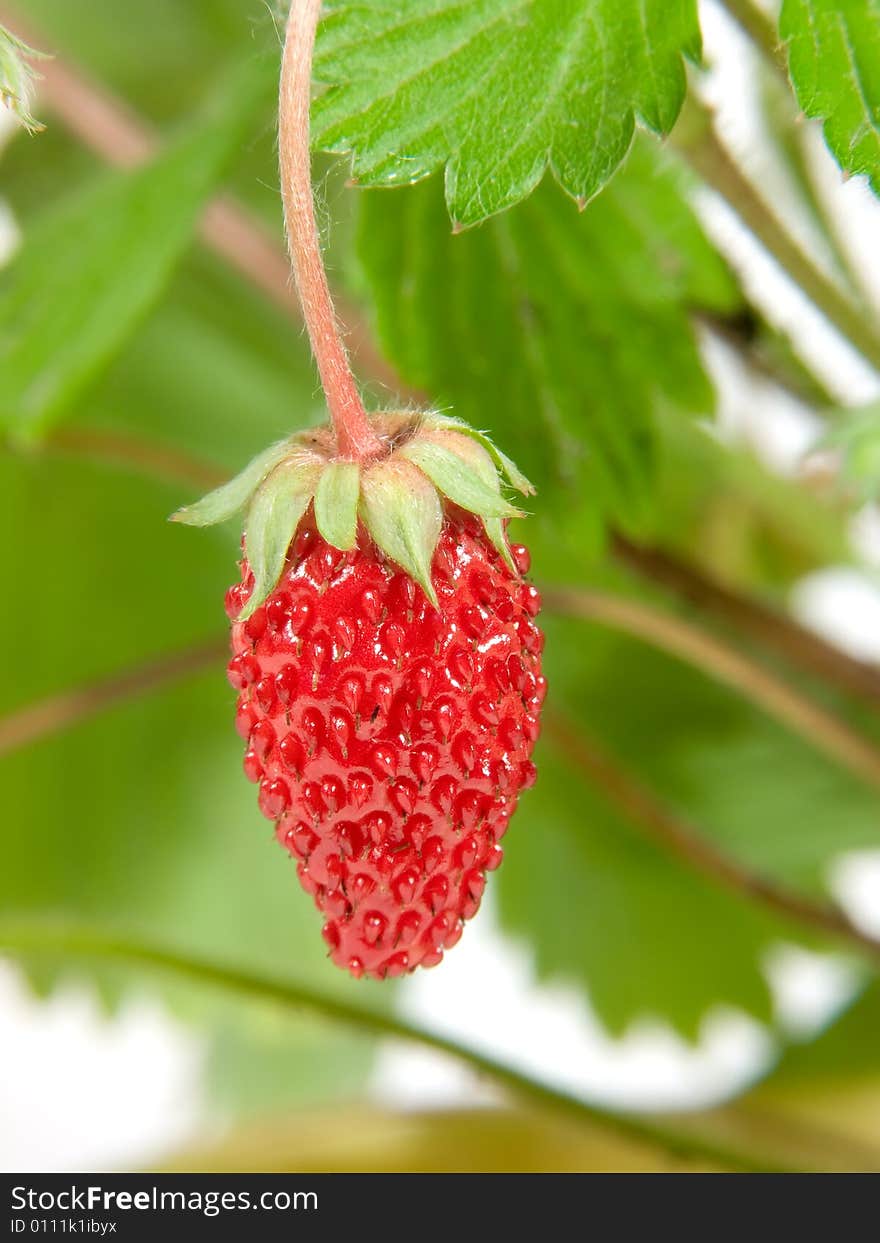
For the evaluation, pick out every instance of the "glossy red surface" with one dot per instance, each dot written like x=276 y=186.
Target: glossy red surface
x=390 y=742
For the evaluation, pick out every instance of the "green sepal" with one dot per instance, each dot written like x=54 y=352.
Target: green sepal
x=508 y=468
x=465 y=480
x=336 y=503
x=497 y=534
x=17 y=78
x=402 y=512
x=275 y=513
x=233 y=495
x=470 y=452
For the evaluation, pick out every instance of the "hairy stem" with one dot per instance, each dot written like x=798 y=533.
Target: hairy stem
x=697 y=141
x=355 y=438
x=76 y=941
x=107 y=126
x=800 y=647
x=726 y=664
x=676 y=836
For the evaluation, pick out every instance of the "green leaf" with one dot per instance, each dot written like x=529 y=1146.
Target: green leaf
x=845 y=1050
x=401 y=510
x=469 y=477
x=496 y=91
x=274 y=515
x=231 y=497
x=557 y=332
x=598 y=902
x=825 y=1087
x=65 y=308
x=336 y=503
x=792 y=153
x=834 y=62
x=724 y=509
x=219 y=350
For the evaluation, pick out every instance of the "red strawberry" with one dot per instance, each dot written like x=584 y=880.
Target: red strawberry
x=389 y=675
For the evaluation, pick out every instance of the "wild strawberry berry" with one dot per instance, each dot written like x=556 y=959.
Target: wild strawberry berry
x=388 y=670
x=392 y=771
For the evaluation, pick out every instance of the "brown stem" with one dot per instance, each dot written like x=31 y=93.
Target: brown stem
x=679 y=638
x=57 y=712
x=765 y=352
x=651 y=817
x=104 y=124
x=761 y=30
x=781 y=634
x=107 y=126
x=146 y=457
x=69 y=941
x=354 y=435
x=697 y=141
x=803 y=649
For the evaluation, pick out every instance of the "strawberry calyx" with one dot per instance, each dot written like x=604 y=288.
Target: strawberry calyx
x=398 y=496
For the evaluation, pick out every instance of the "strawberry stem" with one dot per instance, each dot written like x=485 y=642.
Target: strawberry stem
x=355 y=437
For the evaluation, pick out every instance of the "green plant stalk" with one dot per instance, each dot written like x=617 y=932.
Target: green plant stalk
x=696 y=140
x=679 y=638
x=109 y=128
x=803 y=649
x=763 y=34
x=44 y=717
x=77 y=941
x=677 y=837
x=645 y=810
x=761 y=30
x=355 y=437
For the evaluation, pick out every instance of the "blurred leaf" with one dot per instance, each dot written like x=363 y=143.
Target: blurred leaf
x=557 y=332
x=141 y=815
x=789 y=139
x=64 y=311
x=215 y=372
x=603 y=906
x=33 y=174
x=261 y=1062
x=834 y=62
x=360 y=1140
x=828 y=1086
x=496 y=92
x=747 y=525
x=162 y=57
x=847 y=1050
x=854 y=435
